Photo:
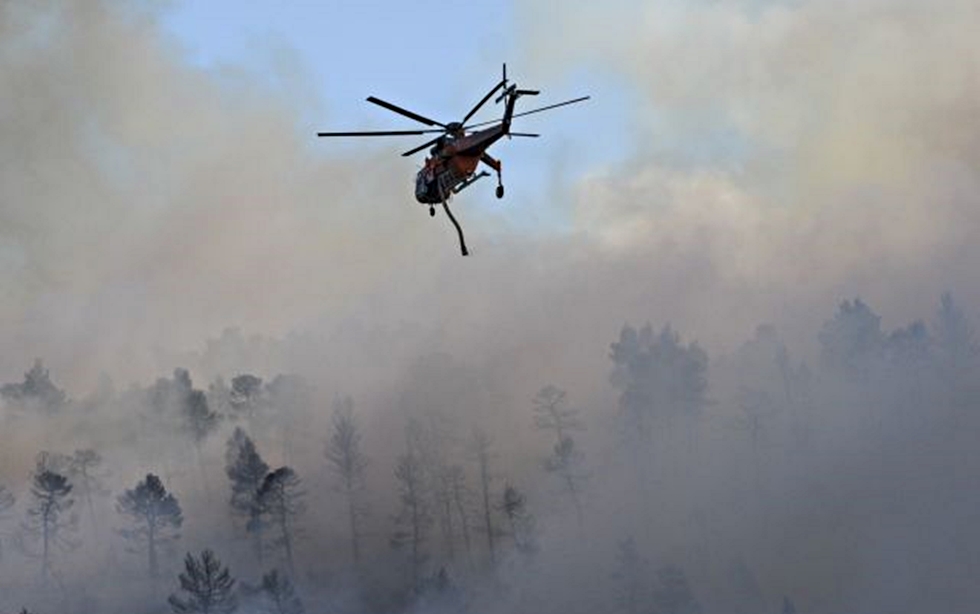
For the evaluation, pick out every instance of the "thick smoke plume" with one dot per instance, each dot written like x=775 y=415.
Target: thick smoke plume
x=166 y=229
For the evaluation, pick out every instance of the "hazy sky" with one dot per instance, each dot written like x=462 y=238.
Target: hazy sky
x=741 y=162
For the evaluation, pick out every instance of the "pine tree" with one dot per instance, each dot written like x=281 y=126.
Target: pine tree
x=37 y=391
x=348 y=462
x=281 y=501
x=513 y=504
x=280 y=595
x=208 y=586
x=84 y=469
x=413 y=520
x=673 y=594
x=481 y=450
x=632 y=578
x=156 y=515
x=46 y=519
x=246 y=470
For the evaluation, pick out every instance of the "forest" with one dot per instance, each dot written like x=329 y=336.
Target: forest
x=763 y=480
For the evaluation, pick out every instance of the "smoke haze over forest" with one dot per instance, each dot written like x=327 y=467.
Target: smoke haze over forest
x=747 y=309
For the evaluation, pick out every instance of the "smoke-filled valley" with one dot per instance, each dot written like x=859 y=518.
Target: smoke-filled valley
x=733 y=369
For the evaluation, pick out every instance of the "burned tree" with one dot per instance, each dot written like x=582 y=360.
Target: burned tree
x=281 y=502
x=156 y=516
x=46 y=517
x=207 y=586
x=348 y=462
x=246 y=470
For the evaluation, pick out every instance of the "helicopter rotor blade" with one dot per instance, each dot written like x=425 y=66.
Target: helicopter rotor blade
x=378 y=133
x=405 y=112
x=523 y=134
x=482 y=102
x=415 y=150
x=551 y=106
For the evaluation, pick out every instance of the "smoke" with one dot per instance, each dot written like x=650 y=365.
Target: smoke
x=783 y=156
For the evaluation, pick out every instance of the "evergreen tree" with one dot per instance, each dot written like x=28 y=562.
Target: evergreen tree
x=673 y=594
x=207 y=586
x=513 y=504
x=156 y=516
x=281 y=501
x=46 y=517
x=413 y=520
x=632 y=577
x=551 y=412
x=348 y=462
x=37 y=391
x=280 y=596
x=246 y=393
x=85 y=472
x=481 y=445
x=246 y=470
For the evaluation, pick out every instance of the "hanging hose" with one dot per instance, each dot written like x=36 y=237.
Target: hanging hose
x=462 y=241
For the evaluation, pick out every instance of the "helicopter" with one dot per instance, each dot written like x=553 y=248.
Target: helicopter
x=457 y=151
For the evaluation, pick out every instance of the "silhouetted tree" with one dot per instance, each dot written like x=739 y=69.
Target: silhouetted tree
x=788 y=607
x=207 y=586
x=246 y=392
x=460 y=499
x=567 y=463
x=46 y=519
x=513 y=504
x=659 y=378
x=7 y=501
x=280 y=595
x=156 y=516
x=672 y=594
x=413 y=519
x=851 y=342
x=551 y=412
x=348 y=462
x=246 y=470
x=37 y=391
x=281 y=501
x=84 y=470
x=632 y=577
x=480 y=448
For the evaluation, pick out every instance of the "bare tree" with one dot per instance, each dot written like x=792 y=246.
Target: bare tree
x=566 y=462
x=348 y=462
x=480 y=449
x=281 y=501
x=413 y=520
x=156 y=516
x=208 y=586
x=46 y=519
x=246 y=470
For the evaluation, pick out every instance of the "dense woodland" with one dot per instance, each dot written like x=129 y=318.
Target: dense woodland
x=765 y=480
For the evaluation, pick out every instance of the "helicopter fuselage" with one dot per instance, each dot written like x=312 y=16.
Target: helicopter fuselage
x=453 y=163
